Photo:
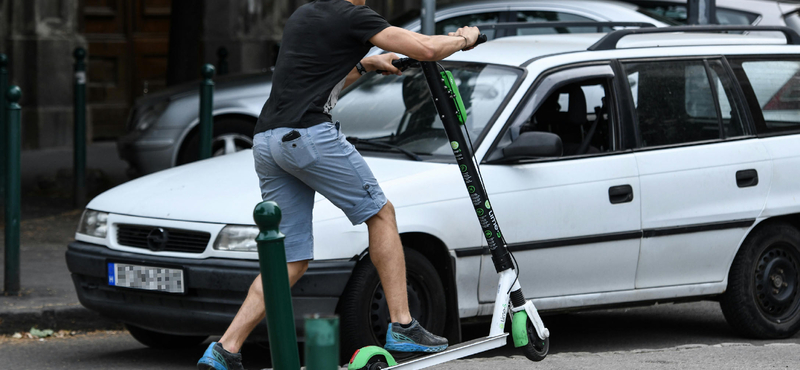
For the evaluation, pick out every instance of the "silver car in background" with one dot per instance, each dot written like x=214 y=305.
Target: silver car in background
x=162 y=128
x=731 y=12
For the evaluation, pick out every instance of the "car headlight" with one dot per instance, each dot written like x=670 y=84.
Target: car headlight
x=149 y=115
x=93 y=223
x=237 y=239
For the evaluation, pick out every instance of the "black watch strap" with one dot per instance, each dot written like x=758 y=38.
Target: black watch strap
x=361 y=69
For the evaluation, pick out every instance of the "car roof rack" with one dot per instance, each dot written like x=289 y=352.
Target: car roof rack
x=529 y=25
x=609 y=41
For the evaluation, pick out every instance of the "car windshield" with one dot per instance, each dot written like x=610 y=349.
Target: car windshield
x=399 y=111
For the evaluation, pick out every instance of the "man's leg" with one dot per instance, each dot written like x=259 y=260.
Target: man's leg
x=386 y=252
x=252 y=311
x=296 y=200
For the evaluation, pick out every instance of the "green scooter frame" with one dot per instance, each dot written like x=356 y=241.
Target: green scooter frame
x=528 y=330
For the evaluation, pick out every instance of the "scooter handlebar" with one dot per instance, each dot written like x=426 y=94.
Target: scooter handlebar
x=405 y=63
x=481 y=39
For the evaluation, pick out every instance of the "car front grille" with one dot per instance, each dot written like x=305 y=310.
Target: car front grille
x=177 y=240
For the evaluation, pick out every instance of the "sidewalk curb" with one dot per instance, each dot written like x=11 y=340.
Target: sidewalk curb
x=67 y=318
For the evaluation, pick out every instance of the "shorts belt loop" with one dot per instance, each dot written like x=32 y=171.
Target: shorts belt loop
x=337 y=125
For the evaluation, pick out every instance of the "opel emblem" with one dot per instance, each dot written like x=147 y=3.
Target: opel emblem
x=157 y=239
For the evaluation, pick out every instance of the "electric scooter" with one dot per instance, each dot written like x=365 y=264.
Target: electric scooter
x=527 y=328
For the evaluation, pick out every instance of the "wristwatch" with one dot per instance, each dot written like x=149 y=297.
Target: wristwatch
x=361 y=69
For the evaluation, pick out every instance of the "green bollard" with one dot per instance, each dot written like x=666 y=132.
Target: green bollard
x=3 y=89
x=206 y=107
x=322 y=342
x=277 y=293
x=13 y=189
x=79 y=115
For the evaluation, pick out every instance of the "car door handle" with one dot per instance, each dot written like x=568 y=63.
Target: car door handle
x=747 y=178
x=620 y=194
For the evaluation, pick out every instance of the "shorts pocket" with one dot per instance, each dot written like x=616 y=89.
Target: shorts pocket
x=300 y=153
x=347 y=147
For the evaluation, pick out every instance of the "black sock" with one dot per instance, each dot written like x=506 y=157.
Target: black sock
x=406 y=326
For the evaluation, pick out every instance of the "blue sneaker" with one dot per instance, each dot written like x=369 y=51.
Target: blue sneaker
x=217 y=358
x=412 y=338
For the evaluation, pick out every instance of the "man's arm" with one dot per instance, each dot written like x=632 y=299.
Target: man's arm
x=423 y=47
x=415 y=45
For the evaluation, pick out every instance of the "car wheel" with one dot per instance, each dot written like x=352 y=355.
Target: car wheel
x=364 y=313
x=156 y=340
x=230 y=136
x=762 y=299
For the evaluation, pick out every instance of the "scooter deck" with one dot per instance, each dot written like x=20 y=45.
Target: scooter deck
x=457 y=351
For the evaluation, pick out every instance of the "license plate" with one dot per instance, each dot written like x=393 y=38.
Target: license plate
x=145 y=277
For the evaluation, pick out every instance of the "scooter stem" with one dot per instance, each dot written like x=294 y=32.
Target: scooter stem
x=443 y=99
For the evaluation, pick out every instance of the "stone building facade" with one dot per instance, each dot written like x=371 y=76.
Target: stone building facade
x=128 y=53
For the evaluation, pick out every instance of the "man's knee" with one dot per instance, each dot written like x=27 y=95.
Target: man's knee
x=257 y=287
x=386 y=214
x=298 y=268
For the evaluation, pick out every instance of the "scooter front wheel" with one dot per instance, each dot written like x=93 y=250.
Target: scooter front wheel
x=536 y=349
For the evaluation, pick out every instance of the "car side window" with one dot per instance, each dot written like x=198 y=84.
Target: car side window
x=573 y=106
x=578 y=113
x=773 y=91
x=675 y=102
x=452 y=24
x=532 y=16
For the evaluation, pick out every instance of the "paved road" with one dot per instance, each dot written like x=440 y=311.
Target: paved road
x=687 y=336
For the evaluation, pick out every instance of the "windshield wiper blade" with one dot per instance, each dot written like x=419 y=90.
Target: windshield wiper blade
x=410 y=154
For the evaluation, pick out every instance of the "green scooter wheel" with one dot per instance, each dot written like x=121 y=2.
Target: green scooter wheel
x=536 y=349
x=371 y=358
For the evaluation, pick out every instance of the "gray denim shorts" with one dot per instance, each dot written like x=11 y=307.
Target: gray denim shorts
x=320 y=160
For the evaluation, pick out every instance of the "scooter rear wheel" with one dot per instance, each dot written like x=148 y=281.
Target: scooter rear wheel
x=377 y=366
x=536 y=349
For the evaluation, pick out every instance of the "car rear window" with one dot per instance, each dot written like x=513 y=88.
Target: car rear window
x=775 y=87
x=680 y=102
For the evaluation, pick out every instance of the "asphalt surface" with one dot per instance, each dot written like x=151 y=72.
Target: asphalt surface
x=686 y=336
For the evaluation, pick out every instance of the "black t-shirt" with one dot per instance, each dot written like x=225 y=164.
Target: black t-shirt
x=322 y=42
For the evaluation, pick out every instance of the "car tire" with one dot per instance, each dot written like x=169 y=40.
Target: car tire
x=156 y=340
x=230 y=134
x=363 y=312
x=762 y=300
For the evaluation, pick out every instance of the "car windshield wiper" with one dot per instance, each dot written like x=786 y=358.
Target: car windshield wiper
x=410 y=154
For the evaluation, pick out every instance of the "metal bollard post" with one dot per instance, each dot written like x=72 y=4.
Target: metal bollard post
x=277 y=293
x=13 y=189
x=322 y=343
x=206 y=106
x=222 y=63
x=79 y=115
x=3 y=89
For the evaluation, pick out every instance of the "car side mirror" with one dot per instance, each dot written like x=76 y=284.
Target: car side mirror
x=534 y=144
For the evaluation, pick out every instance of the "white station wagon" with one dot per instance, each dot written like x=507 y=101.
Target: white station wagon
x=677 y=178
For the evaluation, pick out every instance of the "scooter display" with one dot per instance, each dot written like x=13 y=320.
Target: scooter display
x=527 y=329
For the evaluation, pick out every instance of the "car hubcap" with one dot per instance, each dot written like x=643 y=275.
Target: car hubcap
x=776 y=281
x=230 y=143
x=379 y=309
